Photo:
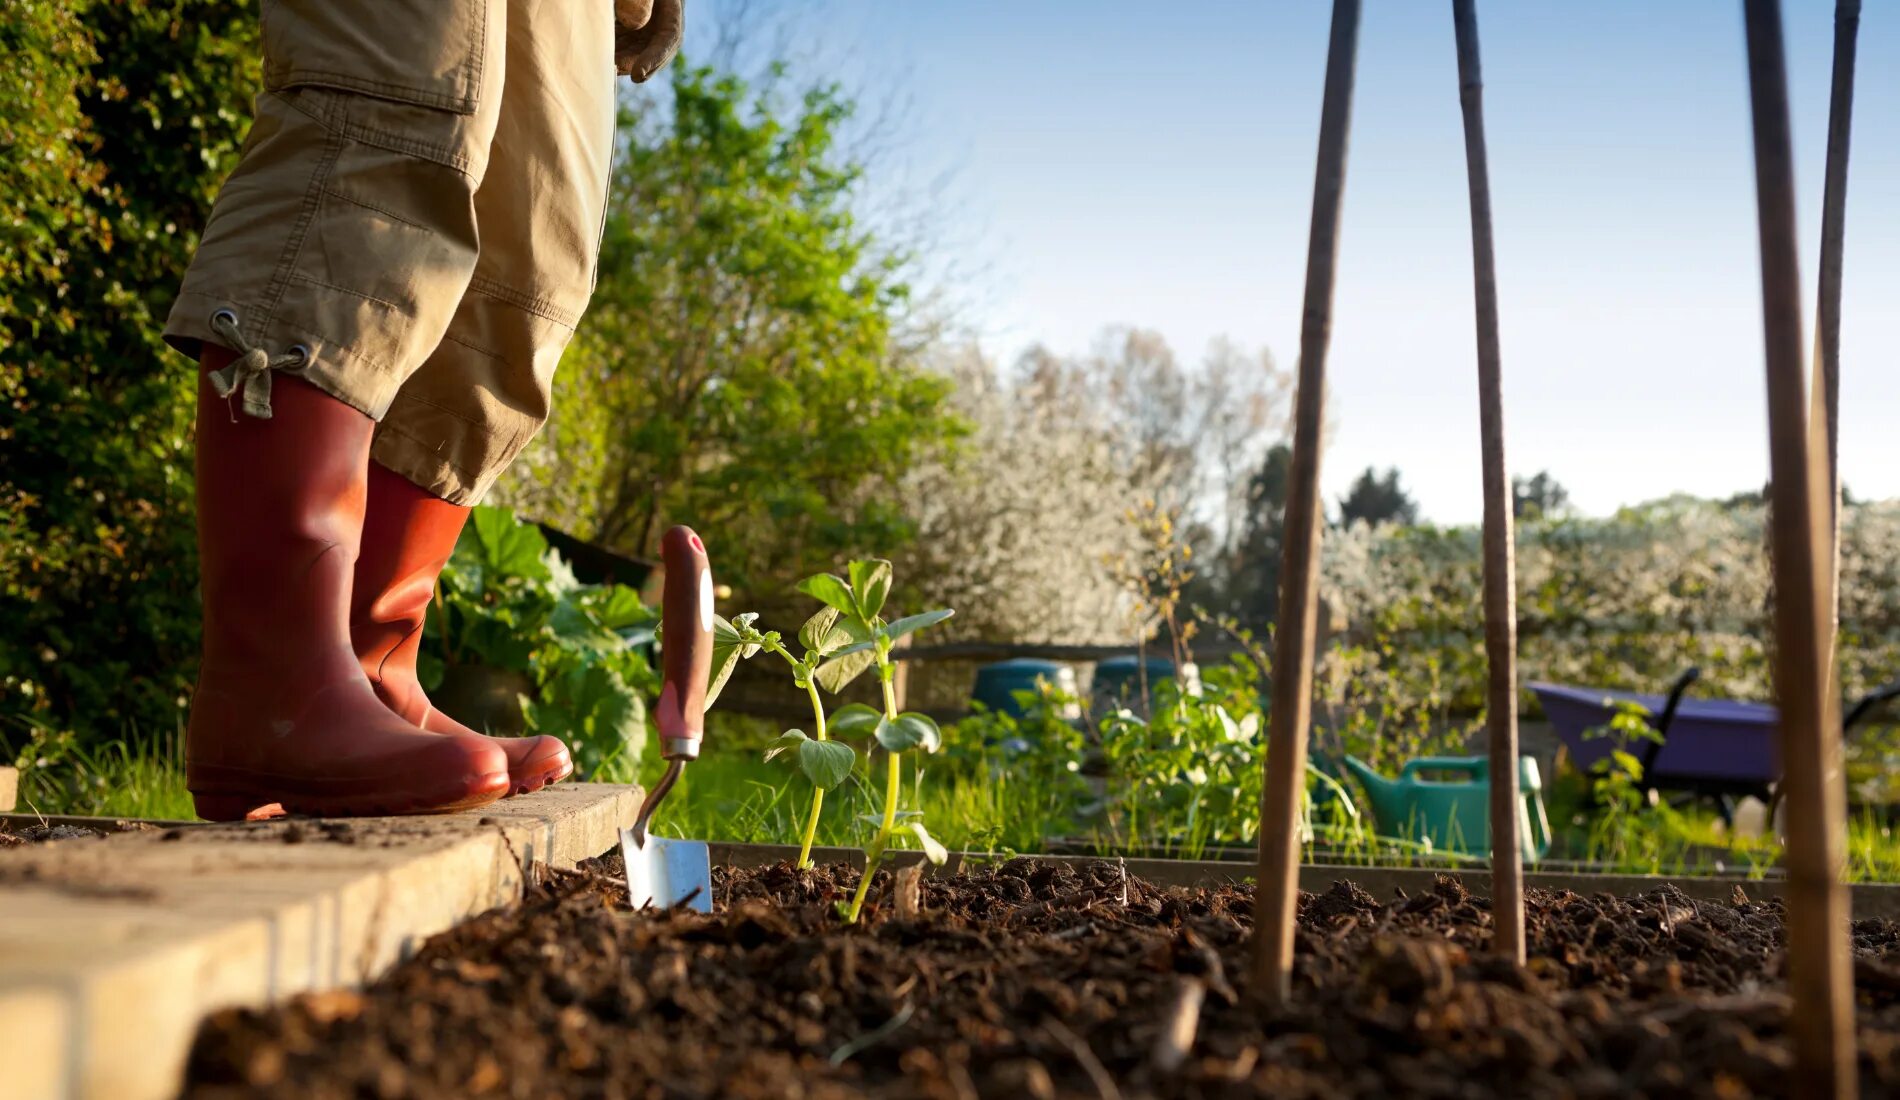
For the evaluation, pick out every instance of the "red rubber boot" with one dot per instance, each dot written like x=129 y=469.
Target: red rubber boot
x=408 y=535
x=283 y=713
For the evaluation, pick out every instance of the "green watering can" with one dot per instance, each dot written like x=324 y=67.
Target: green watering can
x=1454 y=813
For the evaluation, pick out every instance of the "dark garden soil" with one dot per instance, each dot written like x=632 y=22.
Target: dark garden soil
x=40 y=834
x=18 y=831
x=1035 y=980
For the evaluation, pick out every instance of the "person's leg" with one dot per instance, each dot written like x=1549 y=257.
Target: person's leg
x=458 y=422
x=283 y=714
x=408 y=535
x=329 y=268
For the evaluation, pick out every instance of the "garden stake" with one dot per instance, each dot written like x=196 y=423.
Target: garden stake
x=665 y=872
x=1293 y=641
x=1819 y=979
x=1179 y=1027
x=1500 y=583
x=1825 y=391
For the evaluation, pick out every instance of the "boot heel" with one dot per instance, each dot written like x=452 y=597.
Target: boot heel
x=233 y=807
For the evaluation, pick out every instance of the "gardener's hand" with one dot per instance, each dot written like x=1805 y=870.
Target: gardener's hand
x=647 y=35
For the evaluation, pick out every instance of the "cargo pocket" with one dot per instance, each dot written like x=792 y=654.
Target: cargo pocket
x=428 y=53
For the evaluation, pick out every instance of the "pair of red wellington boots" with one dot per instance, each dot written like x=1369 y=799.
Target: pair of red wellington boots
x=318 y=567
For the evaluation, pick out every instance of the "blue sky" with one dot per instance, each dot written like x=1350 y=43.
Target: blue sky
x=1151 y=164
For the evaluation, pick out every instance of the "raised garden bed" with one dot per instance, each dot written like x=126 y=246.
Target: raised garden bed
x=1695 y=860
x=1045 y=978
x=1870 y=899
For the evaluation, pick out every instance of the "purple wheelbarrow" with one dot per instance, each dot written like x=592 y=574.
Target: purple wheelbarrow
x=1719 y=747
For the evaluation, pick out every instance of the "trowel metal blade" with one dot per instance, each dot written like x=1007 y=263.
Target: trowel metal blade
x=666 y=873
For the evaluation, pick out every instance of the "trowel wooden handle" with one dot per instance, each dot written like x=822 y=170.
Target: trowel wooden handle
x=686 y=640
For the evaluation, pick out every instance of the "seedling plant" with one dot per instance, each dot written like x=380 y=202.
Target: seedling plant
x=825 y=762
x=1630 y=823
x=847 y=637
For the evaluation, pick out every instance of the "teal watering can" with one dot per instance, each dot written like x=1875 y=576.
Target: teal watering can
x=1453 y=813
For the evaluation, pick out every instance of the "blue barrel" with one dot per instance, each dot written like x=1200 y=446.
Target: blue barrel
x=997 y=684
x=1118 y=680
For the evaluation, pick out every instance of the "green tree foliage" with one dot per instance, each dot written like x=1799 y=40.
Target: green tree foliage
x=1538 y=497
x=1377 y=498
x=739 y=368
x=46 y=179
x=119 y=120
x=1255 y=589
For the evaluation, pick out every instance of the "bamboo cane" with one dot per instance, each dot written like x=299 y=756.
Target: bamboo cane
x=1819 y=978
x=1293 y=639
x=1500 y=569
x=1825 y=390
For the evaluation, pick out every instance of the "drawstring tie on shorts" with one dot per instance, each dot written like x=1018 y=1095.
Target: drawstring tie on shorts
x=249 y=374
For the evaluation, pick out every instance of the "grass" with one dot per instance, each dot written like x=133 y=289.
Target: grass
x=129 y=778
x=729 y=794
x=972 y=801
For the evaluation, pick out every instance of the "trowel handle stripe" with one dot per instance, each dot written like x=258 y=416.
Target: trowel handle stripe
x=686 y=639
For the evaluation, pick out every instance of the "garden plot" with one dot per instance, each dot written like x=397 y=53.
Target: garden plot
x=1036 y=979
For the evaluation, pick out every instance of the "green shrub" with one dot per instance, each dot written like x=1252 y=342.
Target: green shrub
x=119 y=120
x=510 y=603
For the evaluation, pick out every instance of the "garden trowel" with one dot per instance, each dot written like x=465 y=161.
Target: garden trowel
x=660 y=872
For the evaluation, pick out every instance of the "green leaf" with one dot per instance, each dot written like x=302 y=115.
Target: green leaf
x=871 y=581
x=596 y=710
x=728 y=650
x=909 y=731
x=927 y=727
x=818 y=630
x=844 y=667
x=507 y=547
x=853 y=719
x=830 y=591
x=574 y=627
x=619 y=608
x=826 y=763
x=933 y=851
x=786 y=741
x=912 y=623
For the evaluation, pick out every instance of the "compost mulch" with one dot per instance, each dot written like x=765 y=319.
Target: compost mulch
x=1032 y=980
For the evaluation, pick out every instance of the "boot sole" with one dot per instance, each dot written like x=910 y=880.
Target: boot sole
x=545 y=778
x=229 y=798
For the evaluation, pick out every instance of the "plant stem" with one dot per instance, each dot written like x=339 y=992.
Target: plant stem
x=811 y=829
x=893 y=786
x=817 y=793
x=803 y=675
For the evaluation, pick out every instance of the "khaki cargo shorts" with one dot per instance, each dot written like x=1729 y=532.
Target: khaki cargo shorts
x=414 y=220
